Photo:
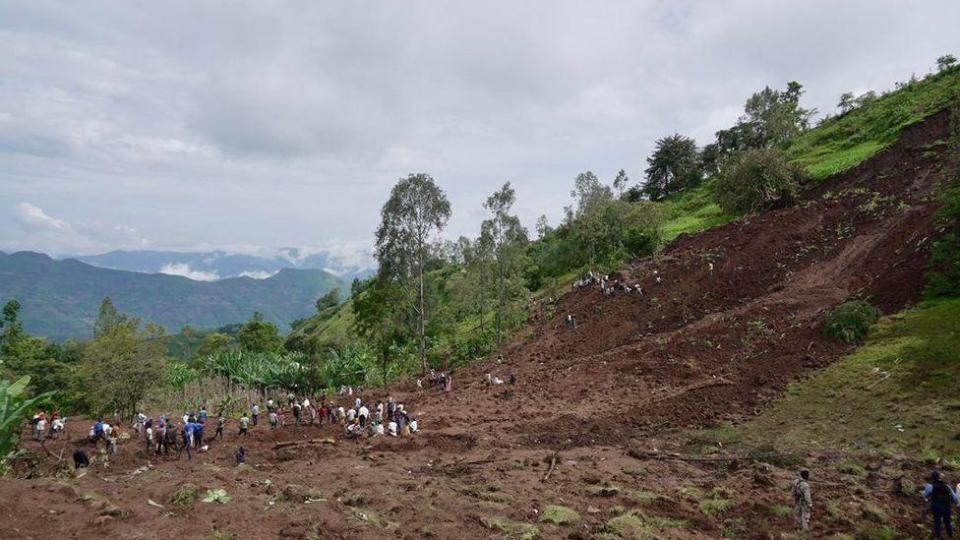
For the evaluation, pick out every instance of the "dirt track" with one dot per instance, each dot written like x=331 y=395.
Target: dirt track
x=697 y=348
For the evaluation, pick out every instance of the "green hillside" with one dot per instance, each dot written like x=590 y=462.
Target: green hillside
x=895 y=394
x=60 y=299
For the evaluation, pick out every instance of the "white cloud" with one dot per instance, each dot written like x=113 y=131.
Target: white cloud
x=278 y=124
x=257 y=274
x=184 y=270
x=33 y=217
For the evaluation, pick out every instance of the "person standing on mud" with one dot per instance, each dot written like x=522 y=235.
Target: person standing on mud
x=941 y=499
x=803 y=503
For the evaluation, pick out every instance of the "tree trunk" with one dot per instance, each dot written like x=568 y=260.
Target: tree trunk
x=423 y=315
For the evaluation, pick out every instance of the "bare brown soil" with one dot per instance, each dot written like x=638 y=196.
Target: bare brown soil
x=593 y=406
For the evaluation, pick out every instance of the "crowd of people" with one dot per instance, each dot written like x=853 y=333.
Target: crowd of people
x=609 y=285
x=167 y=435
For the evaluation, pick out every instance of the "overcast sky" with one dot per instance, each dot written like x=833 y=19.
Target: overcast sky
x=256 y=125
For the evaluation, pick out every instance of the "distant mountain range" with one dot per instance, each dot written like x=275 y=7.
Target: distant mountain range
x=214 y=265
x=60 y=298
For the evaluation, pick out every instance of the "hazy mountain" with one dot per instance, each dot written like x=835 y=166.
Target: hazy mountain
x=214 y=265
x=60 y=298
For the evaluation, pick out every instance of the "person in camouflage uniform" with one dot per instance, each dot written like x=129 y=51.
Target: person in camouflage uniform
x=803 y=503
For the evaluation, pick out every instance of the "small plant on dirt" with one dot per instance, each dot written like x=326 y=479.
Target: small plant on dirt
x=185 y=495
x=217 y=496
x=559 y=515
x=850 y=322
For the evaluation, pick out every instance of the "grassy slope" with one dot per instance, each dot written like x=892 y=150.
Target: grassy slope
x=845 y=141
x=897 y=393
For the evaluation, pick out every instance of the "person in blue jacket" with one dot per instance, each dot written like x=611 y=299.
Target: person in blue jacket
x=942 y=498
x=187 y=440
x=198 y=434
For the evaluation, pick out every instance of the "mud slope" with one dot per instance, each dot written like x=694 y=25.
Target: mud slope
x=699 y=347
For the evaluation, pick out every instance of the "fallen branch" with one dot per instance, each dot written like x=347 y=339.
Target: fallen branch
x=553 y=465
x=288 y=444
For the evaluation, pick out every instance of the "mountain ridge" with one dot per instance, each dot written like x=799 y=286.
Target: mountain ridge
x=60 y=298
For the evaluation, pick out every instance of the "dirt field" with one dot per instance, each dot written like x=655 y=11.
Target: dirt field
x=596 y=413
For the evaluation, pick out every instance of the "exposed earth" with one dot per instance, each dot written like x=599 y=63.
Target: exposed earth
x=601 y=418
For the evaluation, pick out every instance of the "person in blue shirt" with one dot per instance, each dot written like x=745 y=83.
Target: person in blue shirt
x=187 y=440
x=942 y=499
x=198 y=434
x=203 y=414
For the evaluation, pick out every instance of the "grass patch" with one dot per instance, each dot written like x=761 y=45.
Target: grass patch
x=716 y=506
x=895 y=394
x=559 y=515
x=639 y=525
x=780 y=510
x=693 y=211
x=514 y=530
x=723 y=435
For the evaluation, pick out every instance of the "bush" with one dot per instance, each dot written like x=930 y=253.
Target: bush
x=850 y=322
x=758 y=179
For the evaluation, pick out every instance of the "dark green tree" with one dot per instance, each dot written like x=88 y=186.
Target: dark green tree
x=673 y=167
x=259 y=335
x=329 y=300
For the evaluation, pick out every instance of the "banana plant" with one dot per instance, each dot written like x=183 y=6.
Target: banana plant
x=14 y=410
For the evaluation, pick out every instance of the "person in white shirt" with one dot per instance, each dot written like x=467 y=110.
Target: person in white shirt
x=357 y=403
x=364 y=413
x=57 y=426
x=413 y=426
x=392 y=428
x=351 y=414
x=41 y=428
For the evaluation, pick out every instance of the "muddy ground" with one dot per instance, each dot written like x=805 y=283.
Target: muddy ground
x=600 y=418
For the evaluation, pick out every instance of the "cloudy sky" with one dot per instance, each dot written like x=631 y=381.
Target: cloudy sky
x=256 y=125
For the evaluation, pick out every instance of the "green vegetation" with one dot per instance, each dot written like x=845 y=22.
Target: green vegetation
x=512 y=530
x=844 y=141
x=850 y=322
x=15 y=407
x=637 y=525
x=944 y=280
x=673 y=167
x=755 y=180
x=185 y=495
x=693 y=211
x=559 y=515
x=895 y=394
